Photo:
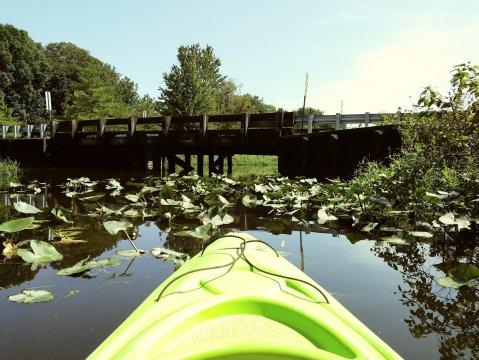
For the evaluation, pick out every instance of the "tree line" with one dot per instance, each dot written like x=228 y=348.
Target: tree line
x=84 y=87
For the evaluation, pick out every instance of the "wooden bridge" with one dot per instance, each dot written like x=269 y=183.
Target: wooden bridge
x=165 y=142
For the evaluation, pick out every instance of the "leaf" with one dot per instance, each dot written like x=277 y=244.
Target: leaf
x=201 y=232
x=369 y=227
x=41 y=252
x=9 y=249
x=449 y=282
x=85 y=265
x=464 y=272
x=323 y=217
x=58 y=213
x=71 y=293
x=395 y=239
x=114 y=226
x=133 y=197
x=25 y=208
x=128 y=253
x=93 y=197
x=450 y=219
x=422 y=234
x=16 y=225
x=31 y=296
x=79 y=267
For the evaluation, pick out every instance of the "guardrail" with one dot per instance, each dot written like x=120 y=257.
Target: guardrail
x=338 y=119
x=23 y=131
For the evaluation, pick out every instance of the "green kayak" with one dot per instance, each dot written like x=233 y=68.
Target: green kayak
x=239 y=300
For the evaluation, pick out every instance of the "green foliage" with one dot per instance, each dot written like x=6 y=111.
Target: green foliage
x=6 y=115
x=24 y=72
x=9 y=173
x=191 y=86
x=308 y=111
x=439 y=164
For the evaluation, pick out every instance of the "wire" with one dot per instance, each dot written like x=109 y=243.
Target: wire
x=241 y=255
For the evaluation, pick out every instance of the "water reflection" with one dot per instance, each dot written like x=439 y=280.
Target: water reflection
x=450 y=316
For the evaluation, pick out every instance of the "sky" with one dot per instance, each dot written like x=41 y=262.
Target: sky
x=361 y=56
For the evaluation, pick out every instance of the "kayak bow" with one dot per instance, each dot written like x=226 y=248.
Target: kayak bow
x=239 y=300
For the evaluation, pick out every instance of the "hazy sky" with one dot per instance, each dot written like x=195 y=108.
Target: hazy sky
x=374 y=55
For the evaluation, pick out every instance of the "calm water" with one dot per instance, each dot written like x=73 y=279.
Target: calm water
x=390 y=288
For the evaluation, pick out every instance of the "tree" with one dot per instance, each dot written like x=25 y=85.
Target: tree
x=6 y=115
x=24 y=73
x=191 y=87
x=70 y=64
x=308 y=111
x=93 y=99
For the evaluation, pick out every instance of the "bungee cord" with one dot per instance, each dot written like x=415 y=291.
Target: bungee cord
x=241 y=255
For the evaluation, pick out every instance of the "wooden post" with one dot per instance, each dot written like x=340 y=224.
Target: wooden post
x=229 y=158
x=171 y=164
x=204 y=126
x=166 y=125
x=74 y=127
x=100 y=128
x=211 y=164
x=199 y=164
x=310 y=123
x=4 y=131
x=132 y=126
x=164 y=166
x=221 y=163
x=338 y=121
x=366 y=119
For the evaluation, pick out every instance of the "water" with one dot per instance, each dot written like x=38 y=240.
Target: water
x=390 y=288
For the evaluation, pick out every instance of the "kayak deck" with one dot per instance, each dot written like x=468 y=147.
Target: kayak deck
x=239 y=300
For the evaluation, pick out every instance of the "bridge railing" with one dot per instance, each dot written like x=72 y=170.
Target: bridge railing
x=23 y=131
x=335 y=121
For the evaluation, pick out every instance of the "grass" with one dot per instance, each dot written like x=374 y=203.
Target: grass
x=245 y=166
x=9 y=172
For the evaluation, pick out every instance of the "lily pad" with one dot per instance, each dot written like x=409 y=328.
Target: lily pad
x=31 y=296
x=41 y=252
x=201 y=232
x=129 y=253
x=324 y=217
x=25 y=208
x=16 y=225
x=113 y=227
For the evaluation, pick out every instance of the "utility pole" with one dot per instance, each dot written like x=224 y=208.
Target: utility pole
x=304 y=100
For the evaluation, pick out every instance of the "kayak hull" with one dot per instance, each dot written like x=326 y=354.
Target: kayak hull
x=240 y=300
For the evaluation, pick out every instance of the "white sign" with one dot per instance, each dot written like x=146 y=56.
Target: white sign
x=48 y=100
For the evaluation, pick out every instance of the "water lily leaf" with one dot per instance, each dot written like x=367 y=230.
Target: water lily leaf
x=41 y=252
x=16 y=225
x=170 y=202
x=260 y=188
x=132 y=213
x=107 y=262
x=85 y=265
x=422 y=234
x=369 y=227
x=128 y=253
x=71 y=293
x=464 y=272
x=250 y=201
x=66 y=241
x=449 y=282
x=395 y=239
x=167 y=254
x=133 y=197
x=25 y=208
x=450 y=219
x=59 y=214
x=114 y=226
x=217 y=220
x=31 y=296
x=79 y=267
x=323 y=217
x=201 y=232
x=95 y=197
